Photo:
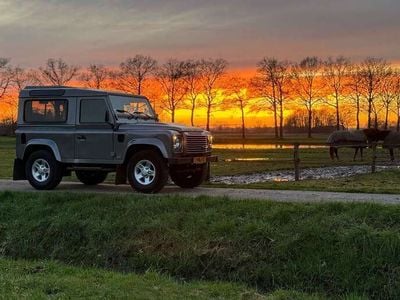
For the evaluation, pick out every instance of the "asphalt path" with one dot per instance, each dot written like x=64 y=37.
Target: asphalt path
x=232 y=193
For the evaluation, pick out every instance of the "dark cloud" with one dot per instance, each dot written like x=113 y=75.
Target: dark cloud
x=241 y=31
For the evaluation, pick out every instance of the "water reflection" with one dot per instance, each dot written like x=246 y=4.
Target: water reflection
x=262 y=146
x=248 y=159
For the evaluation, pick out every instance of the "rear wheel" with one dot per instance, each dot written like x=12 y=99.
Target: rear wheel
x=43 y=171
x=147 y=171
x=189 y=178
x=91 y=177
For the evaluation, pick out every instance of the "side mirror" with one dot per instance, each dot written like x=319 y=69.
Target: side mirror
x=156 y=117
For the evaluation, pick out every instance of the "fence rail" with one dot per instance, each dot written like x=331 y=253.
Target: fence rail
x=372 y=146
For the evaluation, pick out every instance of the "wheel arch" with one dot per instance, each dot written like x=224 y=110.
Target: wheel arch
x=145 y=144
x=41 y=144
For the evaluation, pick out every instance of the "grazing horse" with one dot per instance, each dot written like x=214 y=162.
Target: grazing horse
x=356 y=139
x=391 y=141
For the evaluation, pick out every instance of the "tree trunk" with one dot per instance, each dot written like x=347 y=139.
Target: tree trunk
x=192 y=112
x=386 y=117
x=398 y=121
x=358 y=113
x=173 y=115
x=376 y=120
x=309 y=123
x=281 y=119
x=208 y=117
x=337 y=113
x=139 y=88
x=369 y=112
x=243 y=125
x=275 y=120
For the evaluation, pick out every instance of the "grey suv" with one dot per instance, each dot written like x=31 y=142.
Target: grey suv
x=94 y=132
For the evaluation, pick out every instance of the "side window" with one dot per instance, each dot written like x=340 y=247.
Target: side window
x=45 y=111
x=93 y=111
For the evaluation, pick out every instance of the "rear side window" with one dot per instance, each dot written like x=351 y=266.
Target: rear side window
x=45 y=111
x=93 y=111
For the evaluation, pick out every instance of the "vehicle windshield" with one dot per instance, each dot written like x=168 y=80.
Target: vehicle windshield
x=131 y=109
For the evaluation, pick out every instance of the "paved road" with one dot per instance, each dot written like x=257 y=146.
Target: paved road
x=285 y=196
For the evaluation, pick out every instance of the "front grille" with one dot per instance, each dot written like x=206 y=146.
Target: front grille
x=196 y=144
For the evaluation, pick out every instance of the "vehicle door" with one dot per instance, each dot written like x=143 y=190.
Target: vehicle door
x=94 y=138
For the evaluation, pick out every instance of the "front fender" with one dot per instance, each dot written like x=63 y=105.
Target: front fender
x=44 y=142
x=148 y=142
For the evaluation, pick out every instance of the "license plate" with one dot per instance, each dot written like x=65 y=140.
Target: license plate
x=199 y=160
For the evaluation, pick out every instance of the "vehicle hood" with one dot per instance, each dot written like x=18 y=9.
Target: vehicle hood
x=158 y=126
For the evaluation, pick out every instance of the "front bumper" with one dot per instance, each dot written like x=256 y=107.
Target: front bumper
x=196 y=160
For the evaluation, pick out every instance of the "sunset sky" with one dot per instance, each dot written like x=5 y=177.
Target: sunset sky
x=108 y=31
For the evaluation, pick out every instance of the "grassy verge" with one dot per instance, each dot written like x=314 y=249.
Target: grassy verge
x=385 y=182
x=332 y=249
x=7 y=155
x=42 y=279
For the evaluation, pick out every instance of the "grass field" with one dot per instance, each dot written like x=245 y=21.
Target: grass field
x=331 y=249
x=46 y=279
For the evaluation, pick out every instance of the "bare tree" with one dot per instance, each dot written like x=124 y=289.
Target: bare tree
x=272 y=85
x=193 y=81
x=22 y=78
x=372 y=72
x=355 y=90
x=212 y=70
x=134 y=71
x=238 y=89
x=265 y=87
x=57 y=72
x=396 y=92
x=95 y=76
x=335 y=73
x=5 y=76
x=387 y=93
x=308 y=86
x=171 y=77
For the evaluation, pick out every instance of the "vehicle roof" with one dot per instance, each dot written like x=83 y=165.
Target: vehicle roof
x=67 y=91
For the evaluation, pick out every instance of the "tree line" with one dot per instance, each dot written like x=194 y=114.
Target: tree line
x=311 y=89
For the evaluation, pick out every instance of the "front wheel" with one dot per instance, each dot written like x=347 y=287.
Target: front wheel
x=189 y=178
x=43 y=171
x=91 y=177
x=147 y=172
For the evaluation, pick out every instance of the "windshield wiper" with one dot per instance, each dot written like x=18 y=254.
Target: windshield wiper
x=135 y=114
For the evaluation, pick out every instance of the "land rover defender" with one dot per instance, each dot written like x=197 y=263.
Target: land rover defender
x=62 y=130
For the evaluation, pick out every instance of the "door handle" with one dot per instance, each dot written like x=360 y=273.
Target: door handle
x=81 y=138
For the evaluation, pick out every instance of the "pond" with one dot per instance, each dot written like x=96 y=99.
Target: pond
x=263 y=146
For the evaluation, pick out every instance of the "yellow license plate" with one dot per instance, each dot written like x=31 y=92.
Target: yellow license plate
x=199 y=160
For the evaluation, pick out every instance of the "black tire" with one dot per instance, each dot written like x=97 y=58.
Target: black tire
x=189 y=178
x=46 y=158
x=152 y=160
x=91 y=177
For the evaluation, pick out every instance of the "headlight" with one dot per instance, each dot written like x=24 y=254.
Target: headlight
x=210 y=141
x=177 y=143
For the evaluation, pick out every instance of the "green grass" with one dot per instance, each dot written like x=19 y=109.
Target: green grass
x=46 y=279
x=385 y=182
x=330 y=249
x=7 y=155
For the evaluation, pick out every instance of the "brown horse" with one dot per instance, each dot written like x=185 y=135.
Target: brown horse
x=355 y=139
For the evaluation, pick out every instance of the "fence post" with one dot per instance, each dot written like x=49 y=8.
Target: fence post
x=296 y=160
x=373 y=164
x=208 y=176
